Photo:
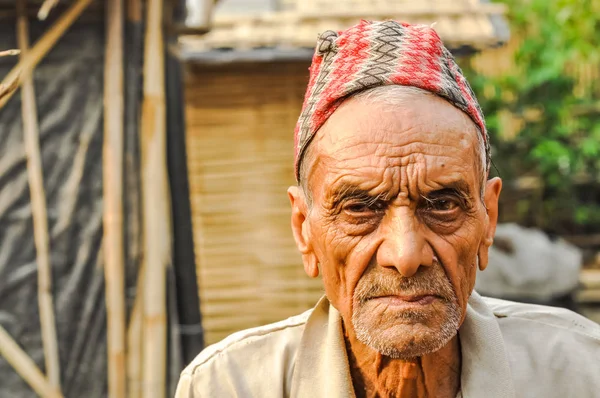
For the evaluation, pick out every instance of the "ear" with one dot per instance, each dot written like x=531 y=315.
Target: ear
x=301 y=231
x=490 y=198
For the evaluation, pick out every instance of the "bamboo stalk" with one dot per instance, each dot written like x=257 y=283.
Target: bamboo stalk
x=25 y=366
x=7 y=53
x=45 y=9
x=41 y=47
x=5 y=88
x=155 y=191
x=38 y=206
x=114 y=266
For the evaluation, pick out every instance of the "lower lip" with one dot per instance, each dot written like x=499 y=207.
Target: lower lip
x=398 y=301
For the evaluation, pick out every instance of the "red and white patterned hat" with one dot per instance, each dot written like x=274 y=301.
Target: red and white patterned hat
x=373 y=54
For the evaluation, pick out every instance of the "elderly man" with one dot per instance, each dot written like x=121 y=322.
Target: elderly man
x=394 y=210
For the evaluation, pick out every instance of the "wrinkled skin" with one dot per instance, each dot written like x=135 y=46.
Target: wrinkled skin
x=397 y=212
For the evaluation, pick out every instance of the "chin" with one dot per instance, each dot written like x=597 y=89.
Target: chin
x=406 y=333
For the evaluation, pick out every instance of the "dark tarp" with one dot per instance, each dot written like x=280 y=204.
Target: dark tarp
x=69 y=84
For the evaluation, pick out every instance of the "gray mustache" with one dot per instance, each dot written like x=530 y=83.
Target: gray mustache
x=376 y=284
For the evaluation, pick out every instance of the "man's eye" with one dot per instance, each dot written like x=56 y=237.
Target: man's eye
x=359 y=207
x=442 y=205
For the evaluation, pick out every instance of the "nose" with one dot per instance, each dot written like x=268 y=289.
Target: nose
x=403 y=246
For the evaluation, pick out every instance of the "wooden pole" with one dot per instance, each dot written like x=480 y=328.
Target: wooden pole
x=38 y=207
x=114 y=257
x=25 y=366
x=41 y=47
x=156 y=205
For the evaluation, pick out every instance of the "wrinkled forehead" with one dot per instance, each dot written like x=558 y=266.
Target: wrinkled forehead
x=367 y=139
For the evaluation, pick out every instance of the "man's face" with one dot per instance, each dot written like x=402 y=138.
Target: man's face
x=397 y=221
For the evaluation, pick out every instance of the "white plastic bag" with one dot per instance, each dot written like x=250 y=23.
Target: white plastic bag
x=525 y=263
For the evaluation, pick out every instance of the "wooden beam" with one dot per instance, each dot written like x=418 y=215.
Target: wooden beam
x=38 y=208
x=335 y=13
x=25 y=367
x=590 y=278
x=42 y=47
x=156 y=205
x=114 y=254
x=589 y=240
x=449 y=10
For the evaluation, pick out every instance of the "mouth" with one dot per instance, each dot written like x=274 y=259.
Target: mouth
x=417 y=300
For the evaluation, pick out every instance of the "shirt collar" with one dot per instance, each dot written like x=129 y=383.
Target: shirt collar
x=485 y=368
x=322 y=369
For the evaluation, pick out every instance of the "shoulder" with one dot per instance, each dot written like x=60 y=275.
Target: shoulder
x=235 y=364
x=553 y=319
x=554 y=346
x=259 y=338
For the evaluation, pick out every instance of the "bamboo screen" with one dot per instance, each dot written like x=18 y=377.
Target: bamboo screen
x=240 y=122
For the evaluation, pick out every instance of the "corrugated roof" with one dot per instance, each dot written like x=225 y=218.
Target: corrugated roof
x=473 y=24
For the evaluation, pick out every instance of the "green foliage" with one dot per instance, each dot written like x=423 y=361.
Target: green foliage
x=559 y=139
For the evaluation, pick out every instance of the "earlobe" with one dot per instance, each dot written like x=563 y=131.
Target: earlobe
x=483 y=253
x=299 y=219
x=301 y=231
x=491 y=196
x=311 y=265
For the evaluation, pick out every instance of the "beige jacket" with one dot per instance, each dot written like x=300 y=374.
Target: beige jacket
x=508 y=350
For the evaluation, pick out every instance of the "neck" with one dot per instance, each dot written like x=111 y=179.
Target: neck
x=376 y=375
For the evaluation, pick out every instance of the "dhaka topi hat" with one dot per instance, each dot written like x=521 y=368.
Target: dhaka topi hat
x=373 y=54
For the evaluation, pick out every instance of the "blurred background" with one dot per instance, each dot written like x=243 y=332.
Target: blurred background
x=146 y=148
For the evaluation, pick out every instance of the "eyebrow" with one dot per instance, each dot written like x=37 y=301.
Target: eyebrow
x=458 y=186
x=345 y=191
